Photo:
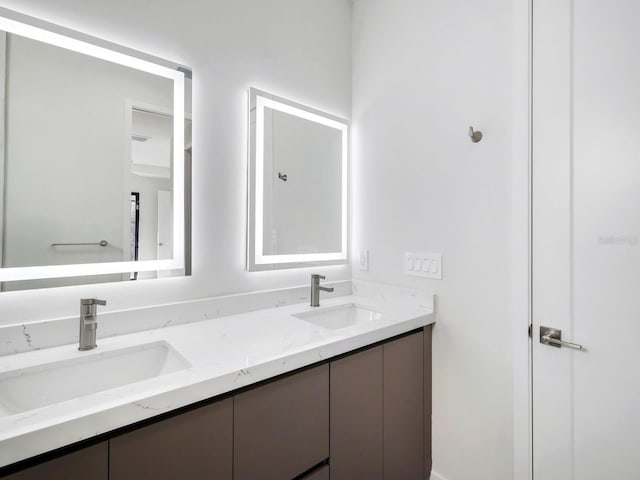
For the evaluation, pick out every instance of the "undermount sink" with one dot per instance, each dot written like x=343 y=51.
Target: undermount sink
x=47 y=384
x=341 y=316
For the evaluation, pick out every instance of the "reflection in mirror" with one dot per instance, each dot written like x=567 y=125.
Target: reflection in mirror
x=297 y=184
x=95 y=143
x=151 y=225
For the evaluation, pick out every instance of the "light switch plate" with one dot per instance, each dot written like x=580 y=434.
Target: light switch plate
x=426 y=265
x=364 y=260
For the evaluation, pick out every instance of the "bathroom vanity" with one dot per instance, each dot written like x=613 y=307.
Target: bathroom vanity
x=282 y=393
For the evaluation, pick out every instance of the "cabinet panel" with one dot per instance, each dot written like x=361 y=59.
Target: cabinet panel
x=282 y=429
x=194 y=445
x=356 y=416
x=90 y=462
x=404 y=408
x=427 y=400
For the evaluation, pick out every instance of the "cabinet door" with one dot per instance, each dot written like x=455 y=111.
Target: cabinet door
x=281 y=429
x=194 y=445
x=356 y=416
x=404 y=408
x=90 y=462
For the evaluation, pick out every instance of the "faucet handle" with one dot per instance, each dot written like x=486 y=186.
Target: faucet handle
x=319 y=277
x=92 y=301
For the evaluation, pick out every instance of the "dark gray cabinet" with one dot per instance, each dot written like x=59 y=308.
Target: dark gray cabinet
x=194 y=445
x=380 y=421
x=356 y=416
x=91 y=462
x=281 y=429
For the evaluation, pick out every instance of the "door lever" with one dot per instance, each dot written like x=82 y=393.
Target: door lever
x=553 y=338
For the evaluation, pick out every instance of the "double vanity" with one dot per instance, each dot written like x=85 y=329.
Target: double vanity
x=297 y=389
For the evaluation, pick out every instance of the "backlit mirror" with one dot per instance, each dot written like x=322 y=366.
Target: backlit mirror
x=96 y=143
x=297 y=184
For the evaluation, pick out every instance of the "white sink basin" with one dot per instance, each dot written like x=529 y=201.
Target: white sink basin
x=341 y=316
x=38 y=386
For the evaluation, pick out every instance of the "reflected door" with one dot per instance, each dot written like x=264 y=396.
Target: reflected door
x=165 y=226
x=586 y=231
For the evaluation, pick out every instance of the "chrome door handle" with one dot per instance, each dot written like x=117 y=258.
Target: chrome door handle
x=553 y=338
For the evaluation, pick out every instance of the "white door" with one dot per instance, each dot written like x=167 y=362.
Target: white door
x=586 y=238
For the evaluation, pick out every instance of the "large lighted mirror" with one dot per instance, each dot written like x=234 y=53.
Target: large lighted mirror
x=297 y=184
x=96 y=145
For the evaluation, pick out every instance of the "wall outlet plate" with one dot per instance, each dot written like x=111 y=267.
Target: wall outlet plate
x=426 y=265
x=364 y=260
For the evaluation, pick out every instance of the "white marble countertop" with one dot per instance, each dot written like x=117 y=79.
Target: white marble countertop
x=224 y=354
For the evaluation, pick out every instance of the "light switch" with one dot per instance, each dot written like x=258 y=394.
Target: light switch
x=418 y=264
x=433 y=266
x=364 y=260
x=409 y=263
x=427 y=265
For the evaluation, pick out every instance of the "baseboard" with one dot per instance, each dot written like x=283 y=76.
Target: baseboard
x=436 y=476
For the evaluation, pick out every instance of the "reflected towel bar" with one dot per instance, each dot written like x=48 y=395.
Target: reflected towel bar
x=101 y=243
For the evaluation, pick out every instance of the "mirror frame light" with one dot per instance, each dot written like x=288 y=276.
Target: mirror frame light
x=36 y=29
x=256 y=258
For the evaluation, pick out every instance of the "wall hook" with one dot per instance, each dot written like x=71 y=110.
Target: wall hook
x=476 y=135
x=282 y=177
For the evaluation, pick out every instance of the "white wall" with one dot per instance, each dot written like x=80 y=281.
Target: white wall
x=423 y=72
x=299 y=49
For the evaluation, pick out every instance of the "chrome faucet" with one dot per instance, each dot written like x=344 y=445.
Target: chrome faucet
x=315 y=289
x=88 y=322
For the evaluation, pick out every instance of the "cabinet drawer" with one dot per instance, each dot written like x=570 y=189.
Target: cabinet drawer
x=194 y=445
x=281 y=429
x=90 y=462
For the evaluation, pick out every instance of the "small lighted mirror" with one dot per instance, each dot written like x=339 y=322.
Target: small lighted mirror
x=96 y=142
x=298 y=195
